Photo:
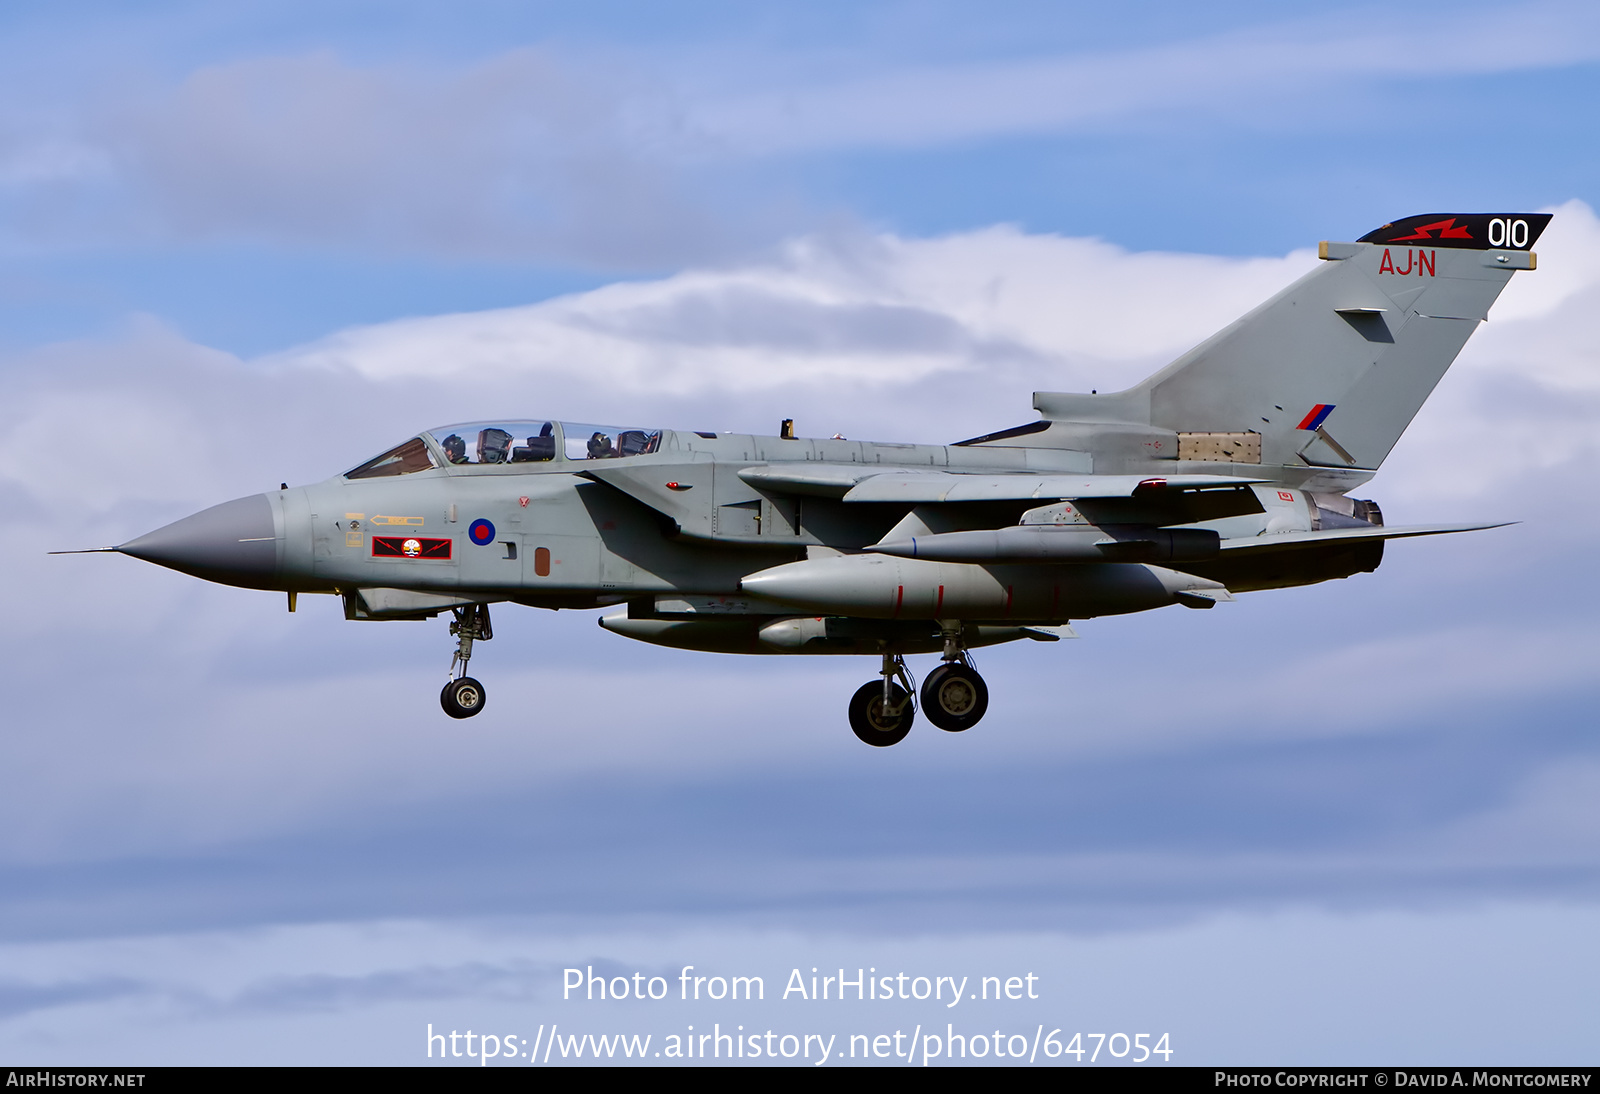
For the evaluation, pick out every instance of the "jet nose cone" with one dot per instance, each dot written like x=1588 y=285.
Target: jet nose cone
x=235 y=543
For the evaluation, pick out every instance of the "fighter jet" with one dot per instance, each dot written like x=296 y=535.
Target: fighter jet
x=1228 y=471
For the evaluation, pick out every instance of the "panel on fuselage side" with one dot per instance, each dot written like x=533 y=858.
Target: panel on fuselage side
x=362 y=532
x=565 y=564
x=503 y=519
x=493 y=563
x=635 y=551
x=490 y=511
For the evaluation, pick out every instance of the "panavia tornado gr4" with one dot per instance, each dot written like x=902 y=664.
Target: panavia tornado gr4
x=1228 y=471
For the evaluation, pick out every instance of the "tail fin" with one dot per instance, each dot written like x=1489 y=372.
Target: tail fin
x=1331 y=370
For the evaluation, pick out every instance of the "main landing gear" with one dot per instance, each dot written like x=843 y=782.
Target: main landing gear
x=463 y=696
x=881 y=712
x=954 y=696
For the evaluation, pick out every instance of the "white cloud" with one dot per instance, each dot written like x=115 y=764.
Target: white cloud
x=866 y=311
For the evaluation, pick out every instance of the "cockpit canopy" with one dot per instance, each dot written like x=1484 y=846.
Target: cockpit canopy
x=400 y=460
x=508 y=442
x=605 y=442
x=496 y=442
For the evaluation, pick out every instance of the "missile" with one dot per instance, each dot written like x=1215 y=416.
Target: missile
x=1065 y=544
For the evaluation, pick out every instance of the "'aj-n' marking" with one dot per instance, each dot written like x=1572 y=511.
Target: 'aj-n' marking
x=1426 y=261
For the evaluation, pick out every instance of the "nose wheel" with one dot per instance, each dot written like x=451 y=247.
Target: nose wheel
x=463 y=696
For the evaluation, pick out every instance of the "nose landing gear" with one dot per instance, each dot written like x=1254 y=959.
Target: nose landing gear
x=463 y=696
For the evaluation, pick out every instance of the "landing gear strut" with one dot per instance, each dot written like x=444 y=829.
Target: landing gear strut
x=881 y=712
x=463 y=696
x=954 y=696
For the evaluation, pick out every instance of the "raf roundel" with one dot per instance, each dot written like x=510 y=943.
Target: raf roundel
x=481 y=532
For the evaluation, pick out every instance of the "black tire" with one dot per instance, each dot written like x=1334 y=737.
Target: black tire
x=462 y=698
x=867 y=718
x=954 y=697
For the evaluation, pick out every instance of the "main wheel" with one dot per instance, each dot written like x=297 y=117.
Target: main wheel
x=872 y=723
x=462 y=698
x=954 y=697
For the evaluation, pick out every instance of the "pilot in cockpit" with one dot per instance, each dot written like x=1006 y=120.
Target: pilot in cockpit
x=455 y=449
x=600 y=447
x=493 y=445
x=542 y=447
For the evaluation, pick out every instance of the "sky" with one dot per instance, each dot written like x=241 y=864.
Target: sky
x=240 y=244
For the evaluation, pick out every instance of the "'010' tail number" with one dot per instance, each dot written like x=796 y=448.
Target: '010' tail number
x=1508 y=233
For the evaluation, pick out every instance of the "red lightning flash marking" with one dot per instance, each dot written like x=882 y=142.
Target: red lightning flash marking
x=1448 y=229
